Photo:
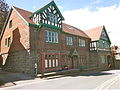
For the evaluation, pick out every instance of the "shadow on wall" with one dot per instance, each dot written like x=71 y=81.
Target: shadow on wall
x=16 y=61
x=17 y=53
x=1 y=61
x=16 y=43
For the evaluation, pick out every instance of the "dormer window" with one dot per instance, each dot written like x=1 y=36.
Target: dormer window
x=52 y=18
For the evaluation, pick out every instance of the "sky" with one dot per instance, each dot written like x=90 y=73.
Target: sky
x=83 y=14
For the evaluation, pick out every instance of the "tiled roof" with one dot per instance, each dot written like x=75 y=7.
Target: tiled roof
x=25 y=14
x=94 y=33
x=66 y=28
x=73 y=30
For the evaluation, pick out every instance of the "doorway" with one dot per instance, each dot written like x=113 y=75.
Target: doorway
x=74 y=62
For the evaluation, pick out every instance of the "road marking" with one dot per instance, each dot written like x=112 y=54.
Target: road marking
x=106 y=83
x=111 y=84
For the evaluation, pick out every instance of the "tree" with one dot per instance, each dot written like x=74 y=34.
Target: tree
x=4 y=8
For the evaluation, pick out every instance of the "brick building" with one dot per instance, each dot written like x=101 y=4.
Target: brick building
x=100 y=52
x=40 y=42
x=116 y=56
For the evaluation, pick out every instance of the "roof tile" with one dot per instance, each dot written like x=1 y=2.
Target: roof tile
x=25 y=14
x=94 y=33
x=66 y=28
x=73 y=30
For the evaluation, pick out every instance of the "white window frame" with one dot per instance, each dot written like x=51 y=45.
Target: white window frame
x=50 y=63
x=53 y=63
x=56 y=62
x=46 y=63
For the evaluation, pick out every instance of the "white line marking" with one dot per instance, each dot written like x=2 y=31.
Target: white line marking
x=106 y=83
x=112 y=82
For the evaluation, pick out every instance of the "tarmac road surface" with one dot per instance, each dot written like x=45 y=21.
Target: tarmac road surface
x=94 y=81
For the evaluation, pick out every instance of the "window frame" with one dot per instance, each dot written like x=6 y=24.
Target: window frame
x=51 y=61
x=69 y=40
x=51 y=36
x=82 y=42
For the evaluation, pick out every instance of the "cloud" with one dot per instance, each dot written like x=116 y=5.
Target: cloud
x=96 y=2
x=86 y=19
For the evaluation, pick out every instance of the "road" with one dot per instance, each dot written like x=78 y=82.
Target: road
x=94 y=81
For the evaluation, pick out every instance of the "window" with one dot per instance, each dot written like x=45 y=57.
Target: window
x=46 y=63
x=10 y=24
x=82 y=42
x=51 y=61
x=51 y=36
x=8 y=42
x=52 y=18
x=69 y=41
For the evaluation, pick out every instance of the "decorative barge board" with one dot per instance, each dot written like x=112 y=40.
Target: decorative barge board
x=49 y=16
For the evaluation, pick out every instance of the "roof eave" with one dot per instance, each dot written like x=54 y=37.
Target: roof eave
x=3 y=29
x=12 y=8
x=106 y=34
x=20 y=16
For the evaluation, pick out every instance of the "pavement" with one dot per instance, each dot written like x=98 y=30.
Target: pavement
x=10 y=79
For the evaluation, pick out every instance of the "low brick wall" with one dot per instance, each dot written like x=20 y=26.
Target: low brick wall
x=22 y=62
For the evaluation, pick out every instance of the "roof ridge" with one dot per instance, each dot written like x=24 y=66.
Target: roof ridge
x=79 y=30
x=95 y=27
x=22 y=9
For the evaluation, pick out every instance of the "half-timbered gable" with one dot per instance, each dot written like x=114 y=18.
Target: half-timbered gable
x=48 y=15
x=100 y=38
x=104 y=42
x=100 y=55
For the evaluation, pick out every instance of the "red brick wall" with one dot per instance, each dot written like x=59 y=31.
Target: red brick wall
x=61 y=45
x=57 y=48
x=75 y=43
x=41 y=44
x=19 y=34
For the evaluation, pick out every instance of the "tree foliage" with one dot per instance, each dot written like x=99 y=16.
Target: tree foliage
x=4 y=8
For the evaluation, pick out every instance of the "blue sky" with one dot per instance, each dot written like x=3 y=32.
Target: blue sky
x=33 y=5
x=83 y=14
